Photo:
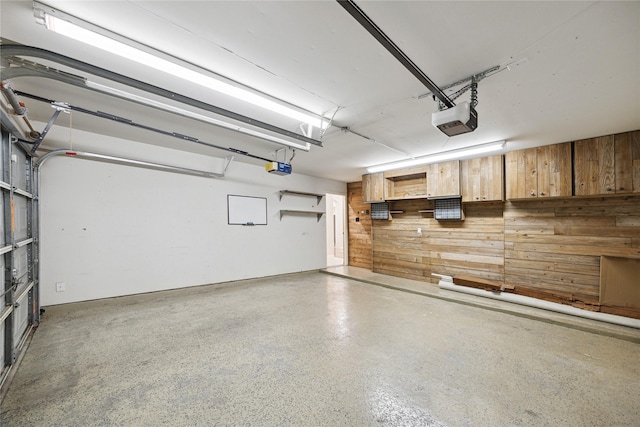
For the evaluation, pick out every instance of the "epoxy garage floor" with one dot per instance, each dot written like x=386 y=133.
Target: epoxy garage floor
x=312 y=349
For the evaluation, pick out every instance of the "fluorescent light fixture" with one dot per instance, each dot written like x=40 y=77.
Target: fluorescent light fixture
x=459 y=154
x=196 y=116
x=44 y=15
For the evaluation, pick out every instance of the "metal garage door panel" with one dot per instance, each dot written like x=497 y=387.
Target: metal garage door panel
x=20 y=170
x=2 y=167
x=21 y=317
x=2 y=325
x=21 y=217
x=21 y=264
x=2 y=275
x=2 y=238
x=2 y=341
x=20 y=304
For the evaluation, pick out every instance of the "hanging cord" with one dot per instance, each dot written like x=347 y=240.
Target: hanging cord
x=70 y=130
x=293 y=154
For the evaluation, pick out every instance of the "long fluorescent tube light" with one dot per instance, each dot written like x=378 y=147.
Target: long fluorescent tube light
x=460 y=154
x=92 y=38
x=196 y=116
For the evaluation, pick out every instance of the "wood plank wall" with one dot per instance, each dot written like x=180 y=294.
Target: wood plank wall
x=474 y=246
x=556 y=244
x=548 y=244
x=398 y=249
x=359 y=232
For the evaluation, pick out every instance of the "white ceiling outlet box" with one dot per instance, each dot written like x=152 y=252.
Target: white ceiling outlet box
x=456 y=120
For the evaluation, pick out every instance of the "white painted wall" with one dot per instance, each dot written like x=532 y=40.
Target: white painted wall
x=110 y=230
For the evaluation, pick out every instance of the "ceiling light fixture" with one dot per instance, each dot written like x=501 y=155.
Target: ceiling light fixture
x=85 y=32
x=192 y=115
x=23 y=68
x=459 y=154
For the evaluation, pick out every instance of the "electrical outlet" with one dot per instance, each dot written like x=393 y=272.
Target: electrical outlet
x=60 y=287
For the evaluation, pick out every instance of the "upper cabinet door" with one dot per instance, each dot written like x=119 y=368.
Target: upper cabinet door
x=482 y=179
x=554 y=170
x=373 y=188
x=539 y=172
x=594 y=166
x=627 y=161
x=522 y=174
x=443 y=179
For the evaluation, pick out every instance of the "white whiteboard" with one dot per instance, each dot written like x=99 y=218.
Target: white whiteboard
x=247 y=210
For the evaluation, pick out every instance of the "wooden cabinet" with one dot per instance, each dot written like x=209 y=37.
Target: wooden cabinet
x=373 y=188
x=627 y=147
x=554 y=170
x=594 y=166
x=539 y=172
x=521 y=169
x=443 y=179
x=607 y=165
x=482 y=179
x=406 y=183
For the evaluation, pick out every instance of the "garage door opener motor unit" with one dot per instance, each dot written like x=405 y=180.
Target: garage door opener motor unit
x=456 y=120
x=280 y=168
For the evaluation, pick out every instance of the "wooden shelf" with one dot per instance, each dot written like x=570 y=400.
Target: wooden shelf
x=406 y=184
x=284 y=212
x=408 y=197
x=301 y=193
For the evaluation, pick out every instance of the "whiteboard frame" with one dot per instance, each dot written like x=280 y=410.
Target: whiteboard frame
x=246 y=210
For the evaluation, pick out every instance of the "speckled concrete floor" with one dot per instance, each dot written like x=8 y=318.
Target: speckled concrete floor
x=315 y=350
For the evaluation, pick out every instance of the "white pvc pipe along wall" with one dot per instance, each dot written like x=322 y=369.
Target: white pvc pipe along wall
x=545 y=305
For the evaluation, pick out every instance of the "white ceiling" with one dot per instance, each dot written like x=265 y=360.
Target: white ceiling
x=580 y=74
